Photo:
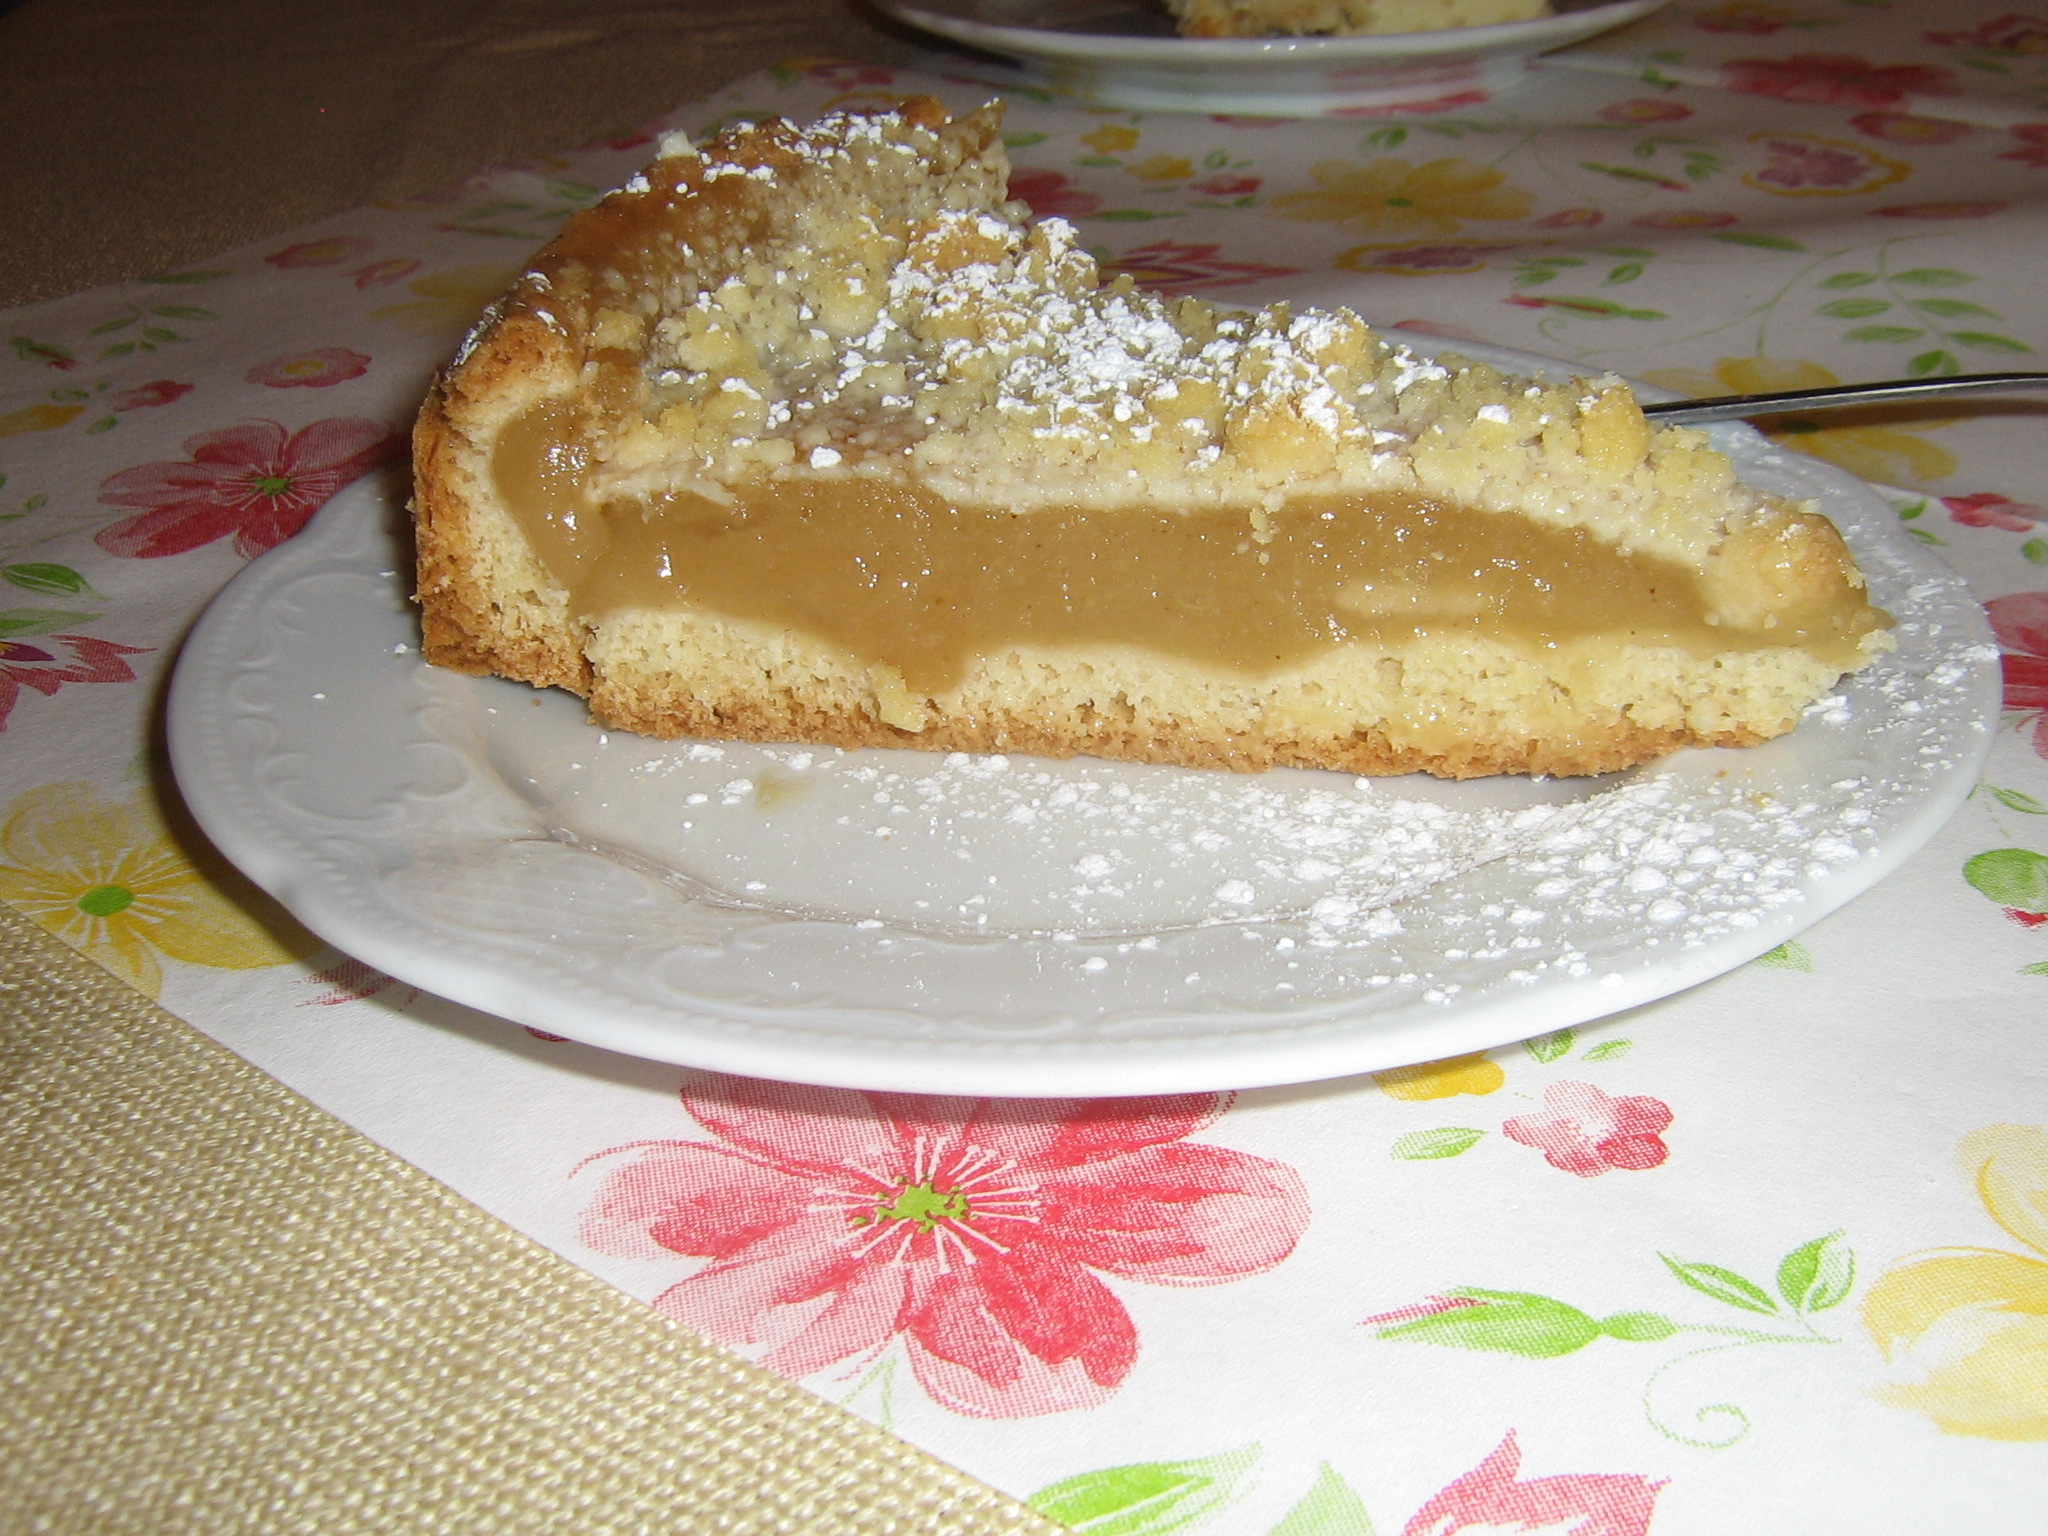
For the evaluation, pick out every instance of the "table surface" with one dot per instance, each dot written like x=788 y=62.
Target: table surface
x=1772 y=1251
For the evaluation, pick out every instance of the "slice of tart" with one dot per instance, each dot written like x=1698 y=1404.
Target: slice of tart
x=1342 y=18
x=810 y=435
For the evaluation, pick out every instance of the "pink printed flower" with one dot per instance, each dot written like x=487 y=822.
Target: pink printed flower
x=331 y=252
x=251 y=480
x=1587 y=1132
x=2033 y=150
x=1803 y=164
x=1435 y=259
x=1433 y=104
x=1570 y=218
x=352 y=981
x=144 y=396
x=1982 y=210
x=1050 y=195
x=1226 y=186
x=2021 y=623
x=1686 y=218
x=1904 y=128
x=1490 y=1498
x=837 y=1221
x=1645 y=110
x=1172 y=268
x=1834 y=79
x=86 y=660
x=2011 y=33
x=392 y=269
x=310 y=370
x=1987 y=509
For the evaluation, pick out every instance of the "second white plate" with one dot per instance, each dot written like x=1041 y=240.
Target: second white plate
x=970 y=924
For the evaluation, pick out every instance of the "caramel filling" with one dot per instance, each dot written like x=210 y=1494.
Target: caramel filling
x=897 y=576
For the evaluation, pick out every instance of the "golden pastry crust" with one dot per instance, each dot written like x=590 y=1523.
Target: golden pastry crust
x=856 y=304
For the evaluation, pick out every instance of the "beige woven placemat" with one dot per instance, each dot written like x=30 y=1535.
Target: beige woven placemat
x=225 y=1311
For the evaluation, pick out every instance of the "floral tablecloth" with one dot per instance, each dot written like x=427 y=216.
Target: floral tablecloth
x=1771 y=1254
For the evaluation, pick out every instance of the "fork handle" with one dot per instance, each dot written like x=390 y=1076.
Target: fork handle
x=1897 y=391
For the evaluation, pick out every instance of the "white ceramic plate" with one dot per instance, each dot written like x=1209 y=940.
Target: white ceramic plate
x=1123 y=53
x=1019 y=926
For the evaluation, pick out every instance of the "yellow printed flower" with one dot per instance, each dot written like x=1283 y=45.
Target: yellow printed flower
x=1394 y=197
x=448 y=301
x=1161 y=168
x=105 y=877
x=1111 y=140
x=1453 y=1075
x=1869 y=452
x=1971 y=1324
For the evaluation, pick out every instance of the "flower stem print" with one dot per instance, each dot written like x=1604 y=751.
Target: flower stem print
x=972 y=1231
x=1162 y=1498
x=1814 y=1277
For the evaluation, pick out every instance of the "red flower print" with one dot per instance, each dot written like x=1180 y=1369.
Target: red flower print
x=1904 y=128
x=86 y=661
x=2011 y=33
x=837 y=1221
x=1645 y=110
x=1172 y=268
x=144 y=396
x=1489 y=1498
x=1801 y=163
x=2021 y=623
x=1050 y=196
x=1834 y=79
x=2033 y=150
x=1421 y=260
x=1449 y=103
x=310 y=370
x=331 y=252
x=391 y=270
x=351 y=981
x=1225 y=186
x=1570 y=218
x=1987 y=509
x=1982 y=210
x=1586 y=1131
x=1686 y=218
x=250 y=480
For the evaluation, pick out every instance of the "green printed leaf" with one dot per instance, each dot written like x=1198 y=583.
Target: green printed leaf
x=561 y=187
x=1216 y=159
x=1817 y=1275
x=104 y=424
x=1763 y=242
x=1130 y=215
x=108 y=327
x=119 y=349
x=1554 y=1046
x=1329 y=1508
x=1607 y=1050
x=1988 y=341
x=1855 y=309
x=1950 y=309
x=1631 y=173
x=38 y=621
x=1883 y=333
x=1933 y=277
x=1638 y=1327
x=2017 y=800
x=1923 y=536
x=1532 y=276
x=1627 y=272
x=1150 y=1498
x=37 y=502
x=2036 y=551
x=2012 y=877
x=1850 y=280
x=1445 y=1141
x=188 y=277
x=1907 y=514
x=182 y=312
x=1022 y=140
x=1502 y=1322
x=1939 y=362
x=2038 y=968
x=1724 y=1285
x=48 y=579
x=1601 y=309
x=1387 y=138
x=1555 y=261
x=1790 y=955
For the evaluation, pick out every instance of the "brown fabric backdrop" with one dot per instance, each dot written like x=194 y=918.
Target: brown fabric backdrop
x=143 y=134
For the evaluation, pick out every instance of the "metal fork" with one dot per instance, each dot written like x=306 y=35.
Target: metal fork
x=1894 y=392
